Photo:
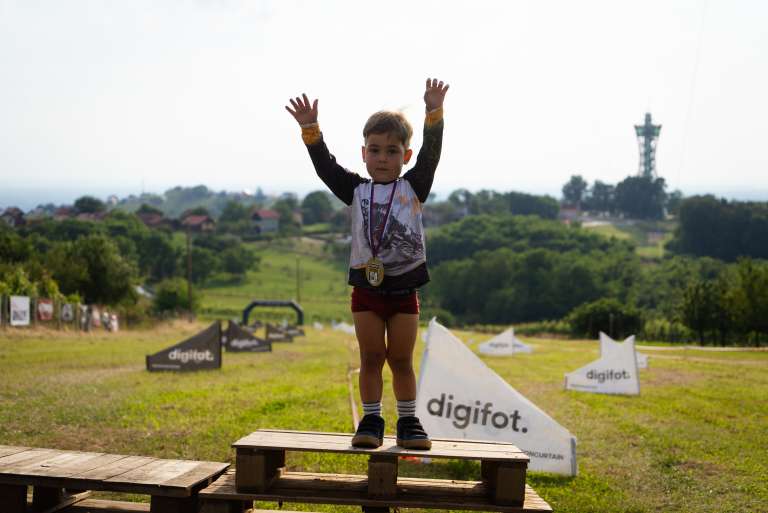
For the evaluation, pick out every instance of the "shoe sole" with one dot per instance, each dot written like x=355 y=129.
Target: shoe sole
x=424 y=444
x=366 y=441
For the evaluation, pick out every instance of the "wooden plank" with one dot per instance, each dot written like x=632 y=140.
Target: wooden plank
x=323 y=441
x=10 y=464
x=7 y=450
x=108 y=506
x=114 y=468
x=150 y=478
x=341 y=443
x=64 y=500
x=307 y=487
x=204 y=473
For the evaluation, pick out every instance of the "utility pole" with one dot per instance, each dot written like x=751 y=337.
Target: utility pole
x=298 y=279
x=189 y=273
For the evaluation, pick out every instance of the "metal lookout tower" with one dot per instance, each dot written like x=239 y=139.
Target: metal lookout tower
x=647 y=138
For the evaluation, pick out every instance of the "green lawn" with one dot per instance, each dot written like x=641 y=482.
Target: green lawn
x=321 y=290
x=694 y=440
x=638 y=232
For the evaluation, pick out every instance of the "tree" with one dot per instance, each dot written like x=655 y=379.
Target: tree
x=110 y=278
x=172 y=295
x=287 y=208
x=233 y=212
x=316 y=208
x=601 y=197
x=148 y=209
x=574 y=190
x=641 y=197
x=607 y=315
x=89 y=205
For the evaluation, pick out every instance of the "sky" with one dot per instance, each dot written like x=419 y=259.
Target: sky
x=113 y=97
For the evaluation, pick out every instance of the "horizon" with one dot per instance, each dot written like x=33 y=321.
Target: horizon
x=28 y=199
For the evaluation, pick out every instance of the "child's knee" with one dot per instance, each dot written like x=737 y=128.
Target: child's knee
x=372 y=360
x=400 y=365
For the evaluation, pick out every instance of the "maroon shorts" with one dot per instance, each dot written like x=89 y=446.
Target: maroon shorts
x=385 y=305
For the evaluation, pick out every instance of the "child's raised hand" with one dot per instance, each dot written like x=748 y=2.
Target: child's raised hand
x=302 y=112
x=435 y=94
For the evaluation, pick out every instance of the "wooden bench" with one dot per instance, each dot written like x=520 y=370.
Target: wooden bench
x=172 y=484
x=108 y=506
x=259 y=474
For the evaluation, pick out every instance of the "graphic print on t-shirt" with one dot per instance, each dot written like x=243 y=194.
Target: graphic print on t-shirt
x=400 y=243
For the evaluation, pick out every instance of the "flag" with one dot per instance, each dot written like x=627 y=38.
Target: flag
x=615 y=372
x=460 y=397
x=504 y=344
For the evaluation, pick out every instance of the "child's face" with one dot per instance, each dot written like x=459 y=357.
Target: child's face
x=384 y=156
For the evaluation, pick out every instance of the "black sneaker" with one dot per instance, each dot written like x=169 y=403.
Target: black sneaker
x=370 y=432
x=411 y=435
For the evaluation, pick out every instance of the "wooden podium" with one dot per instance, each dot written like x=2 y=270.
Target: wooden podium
x=259 y=474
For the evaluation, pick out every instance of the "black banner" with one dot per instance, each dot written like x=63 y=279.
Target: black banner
x=293 y=331
x=277 y=334
x=201 y=351
x=237 y=339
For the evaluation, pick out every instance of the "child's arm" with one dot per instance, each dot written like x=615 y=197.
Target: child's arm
x=339 y=180
x=423 y=172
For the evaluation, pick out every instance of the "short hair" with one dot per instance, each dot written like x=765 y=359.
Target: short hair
x=388 y=122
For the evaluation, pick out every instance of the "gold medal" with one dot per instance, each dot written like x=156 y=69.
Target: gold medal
x=374 y=271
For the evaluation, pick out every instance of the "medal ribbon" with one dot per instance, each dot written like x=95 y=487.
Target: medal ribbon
x=375 y=247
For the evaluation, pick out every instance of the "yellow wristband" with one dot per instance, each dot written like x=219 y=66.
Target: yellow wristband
x=311 y=134
x=434 y=116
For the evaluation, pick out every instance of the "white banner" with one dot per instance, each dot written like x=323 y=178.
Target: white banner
x=67 y=312
x=615 y=372
x=460 y=397
x=344 y=327
x=19 y=311
x=317 y=325
x=504 y=344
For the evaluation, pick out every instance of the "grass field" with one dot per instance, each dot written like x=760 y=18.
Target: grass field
x=694 y=441
x=649 y=237
x=321 y=288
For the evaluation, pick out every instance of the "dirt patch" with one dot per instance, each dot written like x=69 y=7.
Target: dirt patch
x=754 y=363
x=667 y=377
x=81 y=377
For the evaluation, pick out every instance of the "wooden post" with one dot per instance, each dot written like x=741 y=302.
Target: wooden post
x=382 y=476
x=257 y=469
x=44 y=498
x=13 y=498
x=505 y=481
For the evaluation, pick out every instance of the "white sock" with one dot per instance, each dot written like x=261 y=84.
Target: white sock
x=372 y=408
x=406 y=408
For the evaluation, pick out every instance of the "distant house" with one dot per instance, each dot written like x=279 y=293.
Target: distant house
x=154 y=220
x=91 y=216
x=62 y=213
x=200 y=223
x=13 y=217
x=265 y=220
x=569 y=213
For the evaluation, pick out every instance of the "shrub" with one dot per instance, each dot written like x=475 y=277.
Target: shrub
x=172 y=295
x=606 y=315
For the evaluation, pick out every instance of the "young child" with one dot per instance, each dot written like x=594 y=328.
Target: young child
x=388 y=259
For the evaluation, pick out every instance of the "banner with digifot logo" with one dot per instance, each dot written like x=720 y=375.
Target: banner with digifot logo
x=615 y=372
x=459 y=396
x=504 y=344
x=277 y=334
x=201 y=351
x=236 y=339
